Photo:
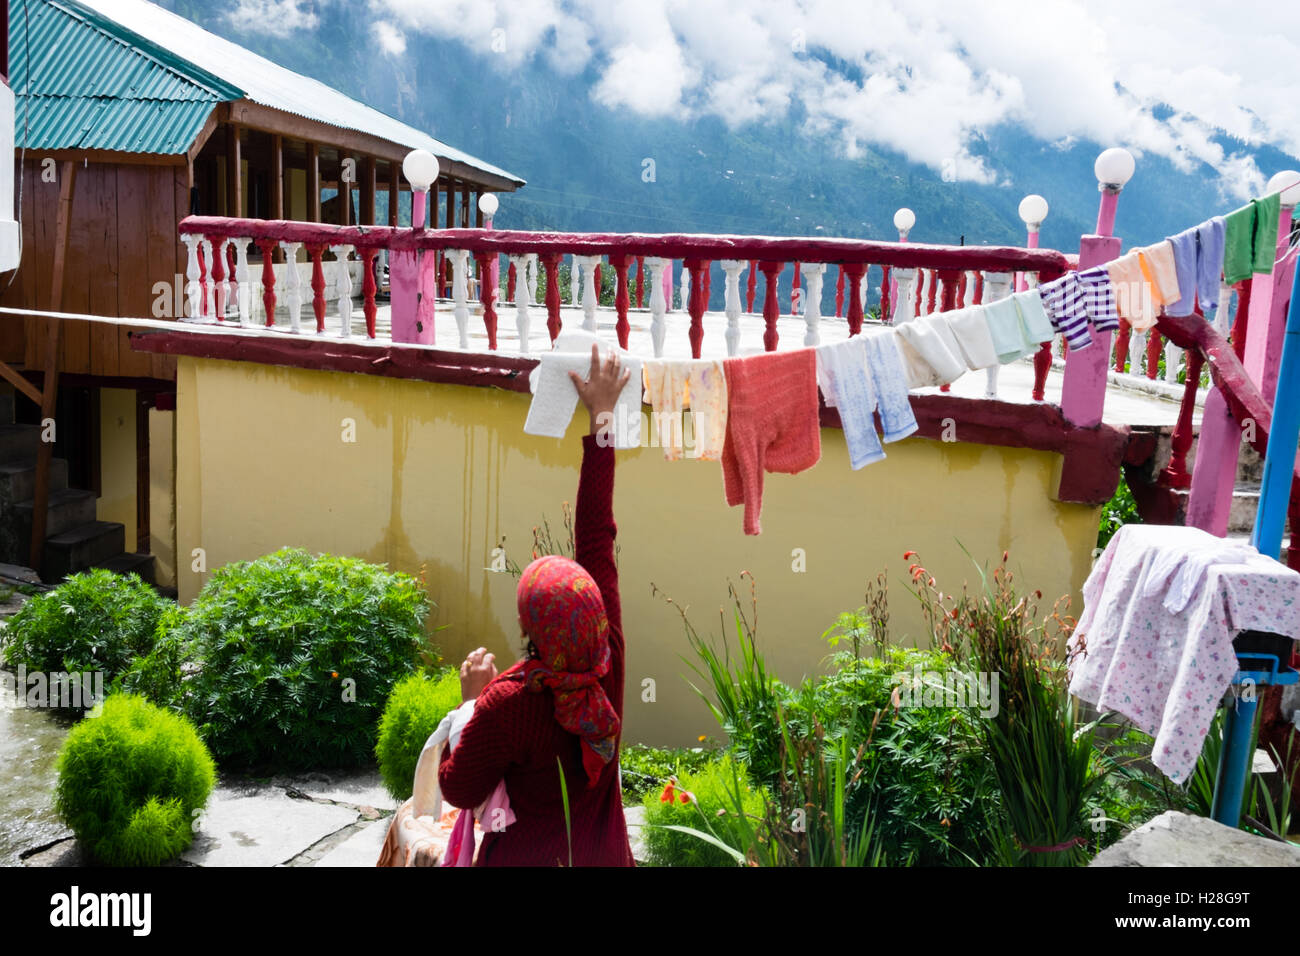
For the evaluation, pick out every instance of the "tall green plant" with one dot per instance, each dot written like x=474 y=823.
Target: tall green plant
x=1042 y=758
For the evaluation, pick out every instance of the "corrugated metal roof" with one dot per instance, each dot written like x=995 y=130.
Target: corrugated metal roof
x=186 y=63
x=91 y=87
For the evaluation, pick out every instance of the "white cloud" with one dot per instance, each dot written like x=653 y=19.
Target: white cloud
x=923 y=77
x=391 y=40
x=278 y=18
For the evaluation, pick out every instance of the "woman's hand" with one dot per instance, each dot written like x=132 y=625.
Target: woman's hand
x=476 y=672
x=602 y=387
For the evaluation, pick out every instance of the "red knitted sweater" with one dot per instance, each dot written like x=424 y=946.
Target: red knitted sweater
x=514 y=735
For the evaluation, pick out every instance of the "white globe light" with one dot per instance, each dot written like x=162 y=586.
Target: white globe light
x=420 y=167
x=904 y=219
x=1287 y=183
x=488 y=203
x=1114 y=167
x=1033 y=210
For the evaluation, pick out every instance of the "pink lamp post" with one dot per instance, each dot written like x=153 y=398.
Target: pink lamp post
x=409 y=272
x=1083 y=391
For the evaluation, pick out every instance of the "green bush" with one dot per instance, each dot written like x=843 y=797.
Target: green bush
x=646 y=769
x=295 y=655
x=709 y=808
x=93 y=621
x=414 y=709
x=159 y=675
x=131 y=780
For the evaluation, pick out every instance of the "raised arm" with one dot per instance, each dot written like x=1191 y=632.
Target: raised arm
x=594 y=529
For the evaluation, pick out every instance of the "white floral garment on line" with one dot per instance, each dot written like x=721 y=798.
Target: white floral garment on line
x=1166 y=671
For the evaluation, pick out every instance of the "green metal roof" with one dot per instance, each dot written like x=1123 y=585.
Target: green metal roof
x=130 y=76
x=82 y=85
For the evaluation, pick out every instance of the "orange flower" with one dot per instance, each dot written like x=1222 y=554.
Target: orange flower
x=908 y=555
x=701 y=738
x=917 y=571
x=334 y=674
x=1005 y=555
x=945 y=822
x=670 y=791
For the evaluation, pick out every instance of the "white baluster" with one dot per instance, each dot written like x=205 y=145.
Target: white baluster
x=864 y=291
x=590 y=297
x=244 y=287
x=1221 y=313
x=903 y=305
x=1173 y=360
x=460 y=292
x=997 y=285
x=344 y=286
x=574 y=280
x=1137 y=347
x=530 y=270
x=523 y=299
x=685 y=291
x=225 y=277
x=193 y=291
x=211 y=291
x=292 y=284
x=733 y=268
x=658 y=302
x=812 y=303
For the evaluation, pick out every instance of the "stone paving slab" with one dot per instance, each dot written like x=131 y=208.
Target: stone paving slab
x=262 y=829
x=359 y=790
x=360 y=849
x=1180 y=839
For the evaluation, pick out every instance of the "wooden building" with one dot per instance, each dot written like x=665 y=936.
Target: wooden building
x=128 y=118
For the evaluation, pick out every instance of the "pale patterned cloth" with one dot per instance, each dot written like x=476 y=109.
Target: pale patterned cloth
x=846 y=386
x=421 y=834
x=701 y=385
x=1166 y=671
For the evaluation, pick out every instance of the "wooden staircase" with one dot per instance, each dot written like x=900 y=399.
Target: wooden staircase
x=75 y=540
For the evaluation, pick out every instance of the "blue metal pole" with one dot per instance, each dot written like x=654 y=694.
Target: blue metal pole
x=1234 y=761
x=1279 y=463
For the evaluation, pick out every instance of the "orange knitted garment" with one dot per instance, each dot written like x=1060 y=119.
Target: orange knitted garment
x=772 y=424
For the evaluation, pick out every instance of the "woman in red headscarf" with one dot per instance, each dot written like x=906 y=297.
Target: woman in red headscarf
x=562 y=706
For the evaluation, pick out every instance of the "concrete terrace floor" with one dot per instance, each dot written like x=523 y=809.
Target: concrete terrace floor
x=1130 y=400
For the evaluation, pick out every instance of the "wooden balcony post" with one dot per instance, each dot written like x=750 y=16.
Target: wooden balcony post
x=234 y=174
x=313 y=182
x=50 y=379
x=367 y=216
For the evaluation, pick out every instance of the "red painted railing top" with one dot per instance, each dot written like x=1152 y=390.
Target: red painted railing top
x=1048 y=263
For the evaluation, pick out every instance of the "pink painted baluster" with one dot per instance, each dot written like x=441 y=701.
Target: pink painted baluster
x=620 y=263
x=203 y=278
x=1176 y=474
x=920 y=282
x=948 y=300
x=487 y=295
x=771 y=308
x=510 y=283
x=368 y=288
x=795 y=292
x=1121 y=344
x=640 y=282
x=699 y=300
x=961 y=290
x=751 y=283
x=315 y=250
x=934 y=284
x=268 y=279
x=551 y=262
x=231 y=271
x=1154 y=345
x=885 y=315
x=218 y=275
x=839 y=294
x=1241 y=322
x=855 y=270
x=595 y=274
x=979 y=288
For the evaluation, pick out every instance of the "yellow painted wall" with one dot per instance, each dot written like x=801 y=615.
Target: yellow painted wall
x=162 y=495
x=438 y=474
x=117 y=462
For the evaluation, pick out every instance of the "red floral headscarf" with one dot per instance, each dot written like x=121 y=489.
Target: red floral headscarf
x=562 y=612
